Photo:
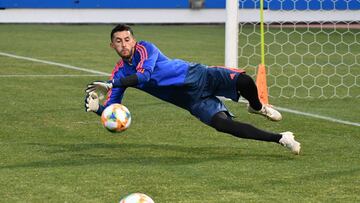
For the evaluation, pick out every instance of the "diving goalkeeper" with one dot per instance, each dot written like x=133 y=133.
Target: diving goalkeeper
x=191 y=86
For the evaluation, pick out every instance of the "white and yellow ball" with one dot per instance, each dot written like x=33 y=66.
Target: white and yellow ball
x=116 y=118
x=137 y=198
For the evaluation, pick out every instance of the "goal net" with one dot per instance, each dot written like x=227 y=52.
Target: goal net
x=312 y=47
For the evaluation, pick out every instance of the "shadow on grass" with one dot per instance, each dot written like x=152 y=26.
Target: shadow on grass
x=142 y=154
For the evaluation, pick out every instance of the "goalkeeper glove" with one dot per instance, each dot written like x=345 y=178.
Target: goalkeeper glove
x=91 y=102
x=102 y=86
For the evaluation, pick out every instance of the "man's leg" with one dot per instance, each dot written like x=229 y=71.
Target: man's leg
x=223 y=123
x=246 y=86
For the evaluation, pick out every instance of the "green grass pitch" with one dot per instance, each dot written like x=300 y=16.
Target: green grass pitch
x=52 y=151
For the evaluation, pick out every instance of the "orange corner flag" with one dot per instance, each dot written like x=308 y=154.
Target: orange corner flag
x=262 y=85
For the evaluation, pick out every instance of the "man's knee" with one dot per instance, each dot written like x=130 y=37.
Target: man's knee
x=218 y=121
x=244 y=81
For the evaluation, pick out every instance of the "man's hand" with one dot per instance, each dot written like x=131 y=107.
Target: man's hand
x=91 y=102
x=102 y=86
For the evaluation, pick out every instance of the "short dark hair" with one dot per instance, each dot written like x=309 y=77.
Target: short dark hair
x=120 y=28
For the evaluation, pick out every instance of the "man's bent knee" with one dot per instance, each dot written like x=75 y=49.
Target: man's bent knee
x=218 y=121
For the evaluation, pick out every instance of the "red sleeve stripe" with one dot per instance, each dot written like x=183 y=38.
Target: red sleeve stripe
x=143 y=56
x=107 y=97
x=118 y=65
x=142 y=47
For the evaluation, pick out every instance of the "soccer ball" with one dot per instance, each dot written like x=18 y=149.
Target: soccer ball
x=116 y=118
x=136 y=198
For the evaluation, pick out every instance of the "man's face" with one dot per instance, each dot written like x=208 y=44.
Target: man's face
x=123 y=43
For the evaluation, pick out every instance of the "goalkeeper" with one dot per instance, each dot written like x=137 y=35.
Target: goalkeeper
x=191 y=86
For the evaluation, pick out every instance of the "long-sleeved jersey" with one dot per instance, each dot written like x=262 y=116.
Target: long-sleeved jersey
x=193 y=87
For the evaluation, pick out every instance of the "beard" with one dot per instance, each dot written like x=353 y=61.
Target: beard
x=125 y=54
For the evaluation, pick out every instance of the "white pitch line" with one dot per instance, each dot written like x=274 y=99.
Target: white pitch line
x=318 y=116
x=55 y=64
x=106 y=74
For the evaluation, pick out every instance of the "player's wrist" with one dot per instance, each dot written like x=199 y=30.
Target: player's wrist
x=115 y=83
x=128 y=81
x=100 y=110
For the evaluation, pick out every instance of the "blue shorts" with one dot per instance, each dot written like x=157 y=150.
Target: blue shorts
x=199 y=92
x=217 y=81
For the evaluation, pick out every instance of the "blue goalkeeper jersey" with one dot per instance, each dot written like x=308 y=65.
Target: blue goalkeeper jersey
x=157 y=75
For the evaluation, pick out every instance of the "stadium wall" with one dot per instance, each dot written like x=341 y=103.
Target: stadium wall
x=179 y=11
x=184 y=4
x=165 y=16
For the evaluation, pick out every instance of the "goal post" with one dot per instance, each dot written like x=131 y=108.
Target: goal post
x=231 y=33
